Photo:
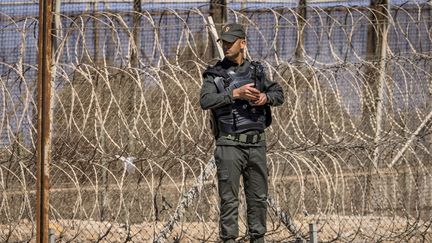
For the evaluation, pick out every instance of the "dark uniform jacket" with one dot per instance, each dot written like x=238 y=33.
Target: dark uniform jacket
x=210 y=98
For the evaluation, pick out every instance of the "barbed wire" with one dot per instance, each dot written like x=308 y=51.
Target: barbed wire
x=131 y=150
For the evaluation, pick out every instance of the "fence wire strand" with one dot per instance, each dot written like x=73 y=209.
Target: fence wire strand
x=132 y=150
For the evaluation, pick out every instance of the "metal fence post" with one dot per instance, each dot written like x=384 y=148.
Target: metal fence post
x=313 y=233
x=218 y=12
x=376 y=49
x=51 y=236
x=44 y=120
x=300 y=47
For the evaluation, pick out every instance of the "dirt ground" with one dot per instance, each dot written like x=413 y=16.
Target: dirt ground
x=330 y=228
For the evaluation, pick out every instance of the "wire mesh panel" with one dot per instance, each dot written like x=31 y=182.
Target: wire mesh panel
x=18 y=71
x=132 y=150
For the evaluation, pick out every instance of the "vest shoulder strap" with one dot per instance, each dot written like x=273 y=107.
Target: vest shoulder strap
x=216 y=70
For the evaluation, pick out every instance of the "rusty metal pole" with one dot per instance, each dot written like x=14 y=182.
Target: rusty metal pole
x=44 y=122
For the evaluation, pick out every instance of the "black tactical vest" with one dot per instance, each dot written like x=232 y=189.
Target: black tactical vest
x=240 y=116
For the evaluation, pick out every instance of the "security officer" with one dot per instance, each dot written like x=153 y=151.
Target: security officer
x=239 y=96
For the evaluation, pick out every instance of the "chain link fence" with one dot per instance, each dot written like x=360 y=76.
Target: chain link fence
x=350 y=149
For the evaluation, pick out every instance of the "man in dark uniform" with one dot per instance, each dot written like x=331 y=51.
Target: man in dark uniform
x=239 y=96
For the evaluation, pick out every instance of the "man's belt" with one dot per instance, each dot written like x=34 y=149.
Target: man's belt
x=244 y=138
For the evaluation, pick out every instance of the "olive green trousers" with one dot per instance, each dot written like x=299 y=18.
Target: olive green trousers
x=249 y=162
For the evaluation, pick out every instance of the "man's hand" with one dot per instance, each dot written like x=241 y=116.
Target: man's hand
x=262 y=100
x=247 y=92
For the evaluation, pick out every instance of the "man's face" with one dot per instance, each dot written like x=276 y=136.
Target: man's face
x=233 y=49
